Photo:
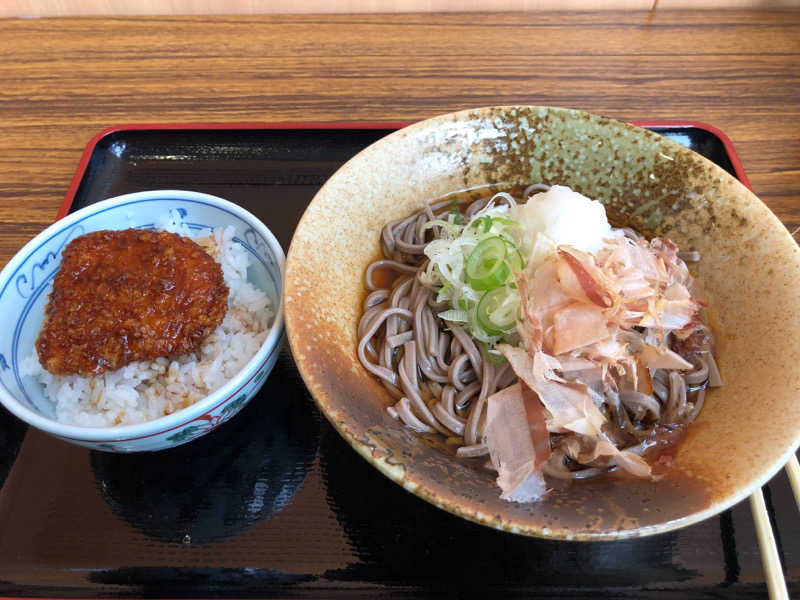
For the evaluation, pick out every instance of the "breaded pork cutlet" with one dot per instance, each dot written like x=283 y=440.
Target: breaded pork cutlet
x=124 y=296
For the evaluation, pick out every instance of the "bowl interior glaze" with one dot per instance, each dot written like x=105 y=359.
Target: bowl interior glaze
x=750 y=269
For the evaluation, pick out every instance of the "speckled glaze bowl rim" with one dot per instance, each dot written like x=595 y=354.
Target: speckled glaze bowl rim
x=326 y=405
x=178 y=418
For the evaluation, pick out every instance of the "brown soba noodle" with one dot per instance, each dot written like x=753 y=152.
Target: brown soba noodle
x=440 y=379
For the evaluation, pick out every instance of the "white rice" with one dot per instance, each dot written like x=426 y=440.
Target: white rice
x=146 y=390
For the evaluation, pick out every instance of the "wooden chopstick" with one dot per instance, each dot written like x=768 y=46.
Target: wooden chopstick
x=776 y=584
x=793 y=471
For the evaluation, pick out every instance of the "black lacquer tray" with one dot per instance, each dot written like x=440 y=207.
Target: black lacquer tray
x=274 y=503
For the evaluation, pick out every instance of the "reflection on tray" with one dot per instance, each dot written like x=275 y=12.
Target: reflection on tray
x=184 y=581
x=11 y=434
x=401 y=538
x=215 y=487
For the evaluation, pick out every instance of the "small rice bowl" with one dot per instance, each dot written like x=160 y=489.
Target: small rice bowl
x=146 y=390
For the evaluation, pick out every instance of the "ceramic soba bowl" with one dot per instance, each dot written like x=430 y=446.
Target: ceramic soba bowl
x=750 y=269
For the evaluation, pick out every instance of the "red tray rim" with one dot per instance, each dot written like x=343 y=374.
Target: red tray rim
x=80 y=171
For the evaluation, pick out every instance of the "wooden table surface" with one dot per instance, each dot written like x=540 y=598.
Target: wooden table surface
x=63 y=80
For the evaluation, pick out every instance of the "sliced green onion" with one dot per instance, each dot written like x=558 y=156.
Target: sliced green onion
x=457 y=316
x=453 y=229
x=445 y=292
x=497 y=311
x=504 y=221
x=514 y=256
x=455 y=212
x=486 y=267
x=464 y=304
x=484 y=223
x=493 y=356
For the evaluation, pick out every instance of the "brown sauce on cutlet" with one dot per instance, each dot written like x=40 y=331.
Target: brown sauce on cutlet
x=124 y=296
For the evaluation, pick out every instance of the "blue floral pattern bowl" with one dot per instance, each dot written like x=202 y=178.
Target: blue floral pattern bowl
x=26 y=282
